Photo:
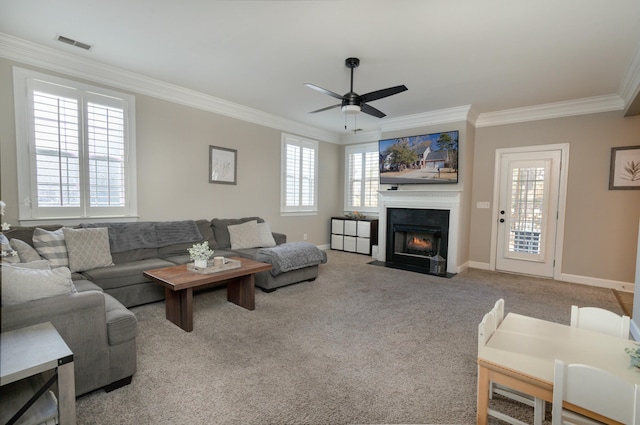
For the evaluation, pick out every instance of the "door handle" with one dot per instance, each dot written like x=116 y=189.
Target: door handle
x=502 y=220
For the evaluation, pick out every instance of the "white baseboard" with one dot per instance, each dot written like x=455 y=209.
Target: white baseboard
x=602 y=283
x=479 y=265
x=566 y=277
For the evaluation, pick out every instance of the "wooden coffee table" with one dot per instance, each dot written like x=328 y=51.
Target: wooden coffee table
x=179 y=284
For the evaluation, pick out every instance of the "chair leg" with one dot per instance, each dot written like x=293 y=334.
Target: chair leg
x=538 y=411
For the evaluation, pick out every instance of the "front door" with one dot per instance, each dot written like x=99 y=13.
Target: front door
x=527 y=211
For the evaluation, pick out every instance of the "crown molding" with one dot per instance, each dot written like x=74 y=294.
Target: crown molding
x=442 y=116
x=630 y=86
x=587 y=105
x=33 y=54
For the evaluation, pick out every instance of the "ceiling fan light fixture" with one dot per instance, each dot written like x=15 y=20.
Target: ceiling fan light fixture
x=351 y=109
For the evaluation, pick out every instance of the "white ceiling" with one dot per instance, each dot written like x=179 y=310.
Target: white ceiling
x=492 y=54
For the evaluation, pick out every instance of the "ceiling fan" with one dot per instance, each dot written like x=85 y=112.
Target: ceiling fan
x=352 y=103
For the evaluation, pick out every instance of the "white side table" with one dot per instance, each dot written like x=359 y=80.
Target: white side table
x=30 y=351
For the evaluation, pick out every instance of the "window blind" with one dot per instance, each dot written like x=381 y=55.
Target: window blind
x=300 y=166
x=363 y=178
x=76 y=150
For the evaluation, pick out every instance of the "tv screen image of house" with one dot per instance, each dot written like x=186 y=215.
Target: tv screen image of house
x=424 y=159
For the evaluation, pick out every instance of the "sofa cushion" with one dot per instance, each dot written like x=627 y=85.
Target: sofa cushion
x=26 y=252
x=9 y=255
x=124 y=274
x=221 y=233
x=84 y=285
x=21 y=283
x=51 y=246
x=181 y=248
x=134 y=255
x=122 y=325
x=88 y=248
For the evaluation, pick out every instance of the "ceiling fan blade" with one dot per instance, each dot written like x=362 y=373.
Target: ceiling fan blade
x=372 y=111
x=325 y=109
x=379 y=94
x=325 y=91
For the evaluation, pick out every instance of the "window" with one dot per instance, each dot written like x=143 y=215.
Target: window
x=362 y=178
x=299 y=184
x=75 y=149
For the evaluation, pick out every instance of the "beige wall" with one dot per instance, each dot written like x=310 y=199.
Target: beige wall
x=601 y=227
x=173 y=167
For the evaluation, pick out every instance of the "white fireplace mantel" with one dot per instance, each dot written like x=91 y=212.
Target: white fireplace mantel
x=422 y=199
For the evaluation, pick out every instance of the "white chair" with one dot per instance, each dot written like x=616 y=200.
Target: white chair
x=596 y=390
x=498 y=308
x=486 y=329
x=600 y=320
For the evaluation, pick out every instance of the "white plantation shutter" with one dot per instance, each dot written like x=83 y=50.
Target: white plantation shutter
x=106 y=156
x=362 y=178
x=76 y=149
x=299 y=171
x=57 y=143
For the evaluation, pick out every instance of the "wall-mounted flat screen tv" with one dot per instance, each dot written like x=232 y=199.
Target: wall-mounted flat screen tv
x=424 y=159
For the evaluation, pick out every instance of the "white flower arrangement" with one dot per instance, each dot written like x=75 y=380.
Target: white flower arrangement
x=5 y=227
x=634 y=353
x=200 y=252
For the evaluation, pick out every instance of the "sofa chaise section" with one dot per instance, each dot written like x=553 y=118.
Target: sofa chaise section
x=98 y=329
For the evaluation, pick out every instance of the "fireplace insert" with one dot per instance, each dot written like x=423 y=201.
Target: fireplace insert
x=417 y=239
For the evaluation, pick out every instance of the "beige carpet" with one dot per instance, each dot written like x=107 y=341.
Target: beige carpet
x=362 y=344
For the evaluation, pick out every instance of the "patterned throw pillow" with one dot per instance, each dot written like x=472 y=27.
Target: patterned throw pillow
x=51 y=246
x=26 y=252
x=20 y=285
x=244 y=235
x=8 y=252
x=88 y=248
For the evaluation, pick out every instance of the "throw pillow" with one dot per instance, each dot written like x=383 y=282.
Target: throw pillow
x=244 y=235
x=37 y=264
x=26 y=252
x=87 y=248
x=51 y=246
x=20 y=285
x=9 y=255
x=221 y=231
x=265 y=236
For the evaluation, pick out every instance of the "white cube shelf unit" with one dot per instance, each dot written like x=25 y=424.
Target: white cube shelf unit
x=354 y=235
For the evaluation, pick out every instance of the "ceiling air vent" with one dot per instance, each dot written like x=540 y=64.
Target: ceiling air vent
x=73 y=42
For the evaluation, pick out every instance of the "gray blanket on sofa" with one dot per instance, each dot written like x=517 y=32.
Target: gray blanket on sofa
x=291 y=256
x=151 y=234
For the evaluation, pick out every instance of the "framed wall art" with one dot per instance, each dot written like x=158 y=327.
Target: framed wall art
x=223 y=165
x=625 y=168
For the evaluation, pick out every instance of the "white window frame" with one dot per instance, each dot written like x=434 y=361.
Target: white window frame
x=304 y=145
x=24 y=83
x=359 y=149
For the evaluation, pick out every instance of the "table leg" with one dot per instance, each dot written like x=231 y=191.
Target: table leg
x=483 y=395
x=66 y=394
x=179 y=307
x=242 y=291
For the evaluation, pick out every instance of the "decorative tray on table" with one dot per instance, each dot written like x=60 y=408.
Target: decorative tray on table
x=228 y=265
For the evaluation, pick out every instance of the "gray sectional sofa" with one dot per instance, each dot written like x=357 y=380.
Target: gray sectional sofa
x=95 y=321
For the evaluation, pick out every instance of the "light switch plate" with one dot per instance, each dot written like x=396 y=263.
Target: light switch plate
x=483 y=205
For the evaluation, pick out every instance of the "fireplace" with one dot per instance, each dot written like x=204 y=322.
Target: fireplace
x=394 y=202
x=417 y=239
